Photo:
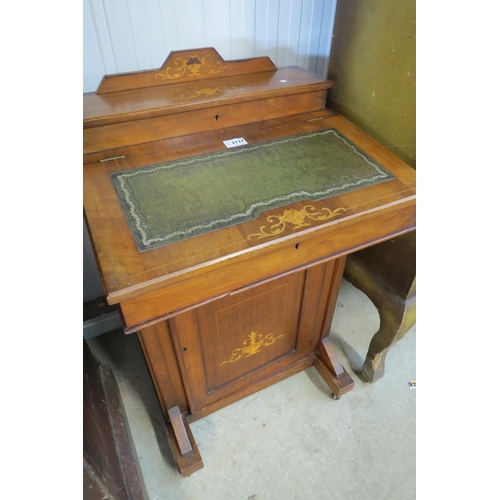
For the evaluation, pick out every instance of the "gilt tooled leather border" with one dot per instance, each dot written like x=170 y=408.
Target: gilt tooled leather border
x=357 y=171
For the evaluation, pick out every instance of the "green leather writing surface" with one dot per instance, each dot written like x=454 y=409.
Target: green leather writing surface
x=171 y=201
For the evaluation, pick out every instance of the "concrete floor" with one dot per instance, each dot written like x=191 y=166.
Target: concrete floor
x=291 y=440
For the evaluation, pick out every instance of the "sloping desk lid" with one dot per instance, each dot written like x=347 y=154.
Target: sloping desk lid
x=172 y=201
x=361 y=216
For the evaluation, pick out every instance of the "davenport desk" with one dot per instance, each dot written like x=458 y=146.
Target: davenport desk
x=222 y=199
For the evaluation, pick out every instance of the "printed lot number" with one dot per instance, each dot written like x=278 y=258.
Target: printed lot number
x=232 y=143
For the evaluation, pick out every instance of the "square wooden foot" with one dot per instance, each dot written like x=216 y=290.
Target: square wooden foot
x=338 y=384
x=330 y=368
x=183 y=445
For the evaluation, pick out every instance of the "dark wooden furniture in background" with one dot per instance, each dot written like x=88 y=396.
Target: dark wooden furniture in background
x=386 y=273
x=224 y=314
x=110 y=465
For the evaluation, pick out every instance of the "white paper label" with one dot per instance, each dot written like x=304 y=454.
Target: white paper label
x=232 y=143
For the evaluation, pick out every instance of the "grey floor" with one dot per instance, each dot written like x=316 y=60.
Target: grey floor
x=291 y=440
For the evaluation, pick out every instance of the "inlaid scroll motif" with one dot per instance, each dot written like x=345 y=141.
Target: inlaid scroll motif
x=194 y=66
x=207 y=92
x=252 y=346
x=295 y=217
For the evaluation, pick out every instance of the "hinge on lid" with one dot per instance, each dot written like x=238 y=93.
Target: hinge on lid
x=113 y=158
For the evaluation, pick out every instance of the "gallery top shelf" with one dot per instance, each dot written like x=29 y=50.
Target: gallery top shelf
x=192 y=79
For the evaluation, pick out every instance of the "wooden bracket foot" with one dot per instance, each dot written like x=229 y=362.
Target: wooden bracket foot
x=330 y=368
x=184 y=446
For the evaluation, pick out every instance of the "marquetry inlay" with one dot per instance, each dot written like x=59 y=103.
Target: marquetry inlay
x=252 y=346
x=207 y=92
x=193 y=66
x=295 y=217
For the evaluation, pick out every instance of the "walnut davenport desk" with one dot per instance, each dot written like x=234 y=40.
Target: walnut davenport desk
x=226 y=257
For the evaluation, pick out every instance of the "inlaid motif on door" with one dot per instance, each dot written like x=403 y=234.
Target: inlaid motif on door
x=252 y=346
x=251 y=330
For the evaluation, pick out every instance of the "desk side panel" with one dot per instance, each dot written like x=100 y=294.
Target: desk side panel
x=156 y=343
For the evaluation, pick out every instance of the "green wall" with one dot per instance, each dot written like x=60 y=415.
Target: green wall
x=373 y=65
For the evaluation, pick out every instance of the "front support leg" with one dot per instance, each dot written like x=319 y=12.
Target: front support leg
x=184 y=446
x=330 y=368
x=156 y=342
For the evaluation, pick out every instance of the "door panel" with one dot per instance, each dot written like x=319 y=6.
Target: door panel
x=242 y=338
x=251 y=330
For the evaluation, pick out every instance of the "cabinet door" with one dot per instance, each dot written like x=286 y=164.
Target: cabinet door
x=243 y=338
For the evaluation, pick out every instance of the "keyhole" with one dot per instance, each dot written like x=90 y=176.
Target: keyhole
x=217 y=117
x=297 y=246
